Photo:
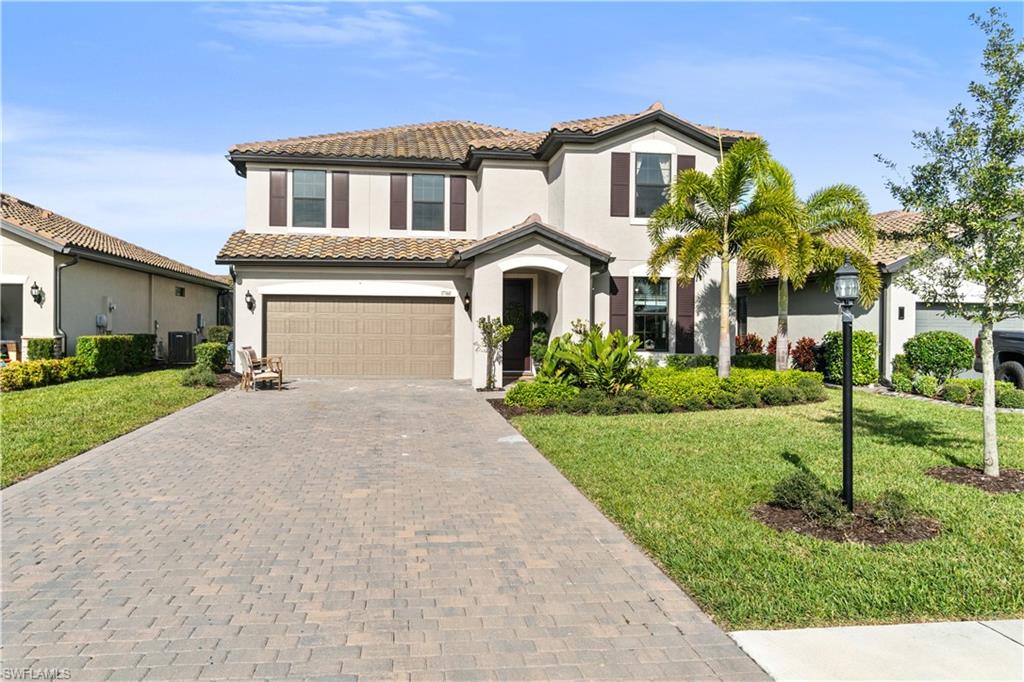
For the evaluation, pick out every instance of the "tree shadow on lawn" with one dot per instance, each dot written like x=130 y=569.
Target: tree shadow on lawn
x=900 y=430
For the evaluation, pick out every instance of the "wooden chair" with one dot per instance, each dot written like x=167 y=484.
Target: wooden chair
x=256 y=369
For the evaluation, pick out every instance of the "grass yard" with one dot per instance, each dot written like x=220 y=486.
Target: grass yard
x=682 y=485
x=42 y=427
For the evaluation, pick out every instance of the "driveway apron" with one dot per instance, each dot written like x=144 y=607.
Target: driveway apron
x=381 y=529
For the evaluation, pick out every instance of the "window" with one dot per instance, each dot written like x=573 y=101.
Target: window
x=741 y=315
x=650 y=313
x=428 y=202
x=179 y=291
x=653 y=172
x=309 y=198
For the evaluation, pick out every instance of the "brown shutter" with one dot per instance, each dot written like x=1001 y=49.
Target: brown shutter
x=398 y=201
x=339 y=199
x=684 y=318
x=457 y=217
x=278 y=198
x=620 y=184
x=685 y=162
x=618 y=309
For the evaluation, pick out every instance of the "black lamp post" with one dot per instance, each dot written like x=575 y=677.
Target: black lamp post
x=847 y=289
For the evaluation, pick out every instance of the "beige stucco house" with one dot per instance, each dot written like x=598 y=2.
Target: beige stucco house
x=897 y=315
x=62 y=279
x=372 y=253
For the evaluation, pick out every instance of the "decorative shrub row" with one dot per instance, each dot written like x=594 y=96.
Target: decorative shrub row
x=40 y=349
x=95 y=356
x=211 y=355
x=698 y=388
x=538 y=395
x=19 y=376
x=963 y=391
x=865 y=357
x=753 y=361
x=219 y=333
x=690 y=361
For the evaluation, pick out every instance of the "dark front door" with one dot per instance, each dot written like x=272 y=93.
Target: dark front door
x=516 y=312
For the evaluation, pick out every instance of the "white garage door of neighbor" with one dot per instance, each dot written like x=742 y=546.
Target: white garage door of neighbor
x=361 y=336
x=932 y=318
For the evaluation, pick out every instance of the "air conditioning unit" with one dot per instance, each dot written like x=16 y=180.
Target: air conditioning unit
x=181 y=348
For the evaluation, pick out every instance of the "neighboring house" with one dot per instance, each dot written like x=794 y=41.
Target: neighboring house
x=373 y=253
x=62 y=280
x=897 y=315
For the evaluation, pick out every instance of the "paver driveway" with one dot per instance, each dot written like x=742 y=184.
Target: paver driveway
x=383 y=529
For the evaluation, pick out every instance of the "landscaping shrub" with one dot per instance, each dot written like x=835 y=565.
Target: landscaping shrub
x=688 y=361
x=658 y=404
x=630 y=402
x=779 y=395
x=141 y=352
x=74 y=368
x=1009 y=396
x=40 y=349
x=970 y=392
x=865 y=357
x=723 y=400
x=105 y=355
x=219 y=333
x=794 y=490
x=748 y=397
x=805 y=354
x=956 y=392
x=585 y=401
x=753 y=361
x=608 y=362
x=902 y=382
x=926 y=385
x=827 y=510
x=939 y=354
x=759 y=379
x=211 y=355
x=19 y=376
x=892 y=510
x=810 y=389
x=198 y=376
x=749 y=343
x=539 y=336
x=900 y=365
x=698 y=388
x=683 y=388
x=536 y=395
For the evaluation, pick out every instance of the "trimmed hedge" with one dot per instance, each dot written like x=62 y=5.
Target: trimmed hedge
x=116 y=353
x=865 y=357
x=19 y=376
x=687 y=361
x=141 y=352
x=970 y=392
x=939 y=354
x=700 y=388
x=40 y=349
x=753 y=361
x=212 y=355
x=218 y=333
x=537 y=395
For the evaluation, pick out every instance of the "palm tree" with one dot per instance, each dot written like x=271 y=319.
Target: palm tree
x=793 y=241
x=708 y=217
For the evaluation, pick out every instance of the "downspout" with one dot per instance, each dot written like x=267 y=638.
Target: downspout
x=57 y=304
x=883 y=307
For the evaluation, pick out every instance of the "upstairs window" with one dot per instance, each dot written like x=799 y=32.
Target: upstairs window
x=653 y=172
x=428 y=202
x=650 y=313
x=179 y=291
x=309 y=198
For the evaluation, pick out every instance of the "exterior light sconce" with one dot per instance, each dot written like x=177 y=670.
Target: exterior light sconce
x=250 y=301
x=467 y=301
x=38 y=295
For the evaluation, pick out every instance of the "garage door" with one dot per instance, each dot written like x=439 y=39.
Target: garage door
x=932 y=318
x=361 y=336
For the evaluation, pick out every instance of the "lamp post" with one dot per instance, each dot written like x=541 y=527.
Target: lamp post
x=847 y=289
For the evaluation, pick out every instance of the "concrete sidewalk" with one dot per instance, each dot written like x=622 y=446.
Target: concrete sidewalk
x=969 y=650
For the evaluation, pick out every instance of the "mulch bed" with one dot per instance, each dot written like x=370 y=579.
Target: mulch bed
x=863 y=530
x=1009 y=481
x=226 y=380
x=509 y=411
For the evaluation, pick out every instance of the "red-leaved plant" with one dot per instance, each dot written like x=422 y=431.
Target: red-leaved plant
x=749 y=343
x=804 y=354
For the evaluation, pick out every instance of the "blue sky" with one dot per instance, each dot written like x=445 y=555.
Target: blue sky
x=119 y=114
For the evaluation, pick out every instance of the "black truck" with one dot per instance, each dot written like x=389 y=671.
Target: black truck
x=1008 y=355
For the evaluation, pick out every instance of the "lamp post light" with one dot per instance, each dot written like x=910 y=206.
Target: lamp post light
x=847 y=289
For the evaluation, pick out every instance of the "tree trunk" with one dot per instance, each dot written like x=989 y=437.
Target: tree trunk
x=782 y=329
x=988 y=405
x=724 y=326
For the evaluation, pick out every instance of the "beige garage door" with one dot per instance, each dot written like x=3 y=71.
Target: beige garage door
x=361 y=336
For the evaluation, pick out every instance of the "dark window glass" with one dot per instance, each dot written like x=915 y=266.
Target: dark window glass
x=741 y=315
x=179 y=291
x=309 y=198
x=428 y=202
x=653 y=172
x=650 y=313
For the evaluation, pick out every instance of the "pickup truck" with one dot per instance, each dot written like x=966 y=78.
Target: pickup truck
x=1009 y=356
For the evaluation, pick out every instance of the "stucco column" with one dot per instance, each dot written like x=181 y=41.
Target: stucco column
x=573 y=295
x=486 y=302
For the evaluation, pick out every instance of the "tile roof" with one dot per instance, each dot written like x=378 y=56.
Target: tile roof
x=450 y=141
x=67 y=232
x=254 y=245
x=886 y=252
x=532 y=224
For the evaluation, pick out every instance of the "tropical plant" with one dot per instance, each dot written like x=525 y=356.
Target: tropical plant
x=607 y=362
x=710 y=217
x=939 y=354
x=968 y=190
x=793 y=241
x=493 y=333
x=749 y=343
x=539 y=336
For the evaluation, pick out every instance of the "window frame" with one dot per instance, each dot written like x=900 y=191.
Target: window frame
x=296 y=198
x=634 y=315
x=178 y=289
x=636 y=184
x=443 y=225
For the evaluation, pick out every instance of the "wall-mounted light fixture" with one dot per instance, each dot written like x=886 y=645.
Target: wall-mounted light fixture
x=250 y=301
x=467 y=301
x=37 y=293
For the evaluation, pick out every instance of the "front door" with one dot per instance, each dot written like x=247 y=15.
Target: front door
x=517 y=309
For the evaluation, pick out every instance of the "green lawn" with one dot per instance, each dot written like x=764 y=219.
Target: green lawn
x=45 y=426
x=682 y=485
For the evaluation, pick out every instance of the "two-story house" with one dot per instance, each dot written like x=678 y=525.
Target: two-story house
x=373 y=253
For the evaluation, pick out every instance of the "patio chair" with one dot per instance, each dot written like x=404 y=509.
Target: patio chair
x=256 y=369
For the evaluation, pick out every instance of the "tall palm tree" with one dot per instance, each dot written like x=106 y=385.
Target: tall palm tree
x=708 y=217
x=792 y=241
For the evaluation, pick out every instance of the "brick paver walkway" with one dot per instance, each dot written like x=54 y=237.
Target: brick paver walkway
x=373 y=529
